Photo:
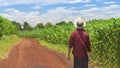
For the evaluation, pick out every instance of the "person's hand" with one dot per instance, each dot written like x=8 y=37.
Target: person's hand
x=89 y=56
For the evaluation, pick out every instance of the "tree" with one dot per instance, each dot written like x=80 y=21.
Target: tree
x=39 y=25
x=70 y=22
x=48 y=25
x=61 y=23
x=26 y=26
x=18 y=25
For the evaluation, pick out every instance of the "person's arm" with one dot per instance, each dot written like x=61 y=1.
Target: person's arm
x=71 y=43
x=69 y=51
x=89 y=47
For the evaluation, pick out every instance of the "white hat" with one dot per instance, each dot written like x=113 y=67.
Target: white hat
x=79 y=23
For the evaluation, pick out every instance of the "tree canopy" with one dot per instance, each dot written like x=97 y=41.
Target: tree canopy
x=49 y=24
x=26 y=26
x=39 y=25
x=17 y=24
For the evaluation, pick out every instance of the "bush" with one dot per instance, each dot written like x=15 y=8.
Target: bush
x=6 y=27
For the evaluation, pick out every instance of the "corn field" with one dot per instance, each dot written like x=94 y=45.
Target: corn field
x=104 y=34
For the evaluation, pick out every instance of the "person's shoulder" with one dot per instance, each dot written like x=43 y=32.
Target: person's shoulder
x=74 y=32
x=86 y=33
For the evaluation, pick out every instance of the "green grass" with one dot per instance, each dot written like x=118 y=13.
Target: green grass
x=60 y=48
x=6 y=42
x=56 y=47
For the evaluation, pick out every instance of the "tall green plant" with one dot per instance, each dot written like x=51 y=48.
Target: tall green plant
x=6 y=27
x=107 y=45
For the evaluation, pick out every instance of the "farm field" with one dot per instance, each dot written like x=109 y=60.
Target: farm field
x=104 y=34
x=40 y=33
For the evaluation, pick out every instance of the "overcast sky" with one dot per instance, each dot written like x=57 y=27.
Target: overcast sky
x=37 y=11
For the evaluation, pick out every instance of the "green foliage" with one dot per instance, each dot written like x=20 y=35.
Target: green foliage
x=107 y=42
x=48 y=25
x=0 y=32
x=6 y=27
x=27 y=26
x=39 y=25
x=6 y=43
x=104 y=34
x=17 y=24
x=55 y=34
x=61 y=23
x=0 y=35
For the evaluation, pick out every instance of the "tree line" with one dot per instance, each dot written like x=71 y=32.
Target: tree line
x=12 y=27
x=27 y=26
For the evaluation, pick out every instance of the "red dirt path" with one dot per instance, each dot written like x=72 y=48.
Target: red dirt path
x=29 y=54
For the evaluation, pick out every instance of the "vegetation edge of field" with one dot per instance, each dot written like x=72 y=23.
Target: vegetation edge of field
x=6 y=42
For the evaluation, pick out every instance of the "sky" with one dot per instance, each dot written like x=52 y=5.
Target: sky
x=54 y=11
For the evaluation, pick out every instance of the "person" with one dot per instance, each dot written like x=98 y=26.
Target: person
x=79 y=43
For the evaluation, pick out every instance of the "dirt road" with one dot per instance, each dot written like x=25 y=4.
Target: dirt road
x=29 y=54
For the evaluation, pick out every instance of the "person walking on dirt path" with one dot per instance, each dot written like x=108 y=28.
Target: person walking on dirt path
x=79 y=43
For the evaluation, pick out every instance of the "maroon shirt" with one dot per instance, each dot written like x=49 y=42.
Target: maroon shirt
x=80 y=42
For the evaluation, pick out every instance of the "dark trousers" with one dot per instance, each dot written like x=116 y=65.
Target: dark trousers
x=80 y=62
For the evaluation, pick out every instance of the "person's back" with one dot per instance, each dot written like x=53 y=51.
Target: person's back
x=80 y=43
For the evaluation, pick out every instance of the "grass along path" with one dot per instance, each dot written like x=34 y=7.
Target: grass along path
x=6 y=42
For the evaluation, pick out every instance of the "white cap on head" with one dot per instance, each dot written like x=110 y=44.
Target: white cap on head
x=79 y=23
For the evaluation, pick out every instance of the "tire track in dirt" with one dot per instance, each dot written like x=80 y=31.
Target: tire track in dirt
x=29 y=54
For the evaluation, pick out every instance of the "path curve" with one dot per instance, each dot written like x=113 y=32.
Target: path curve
x=29 y=54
